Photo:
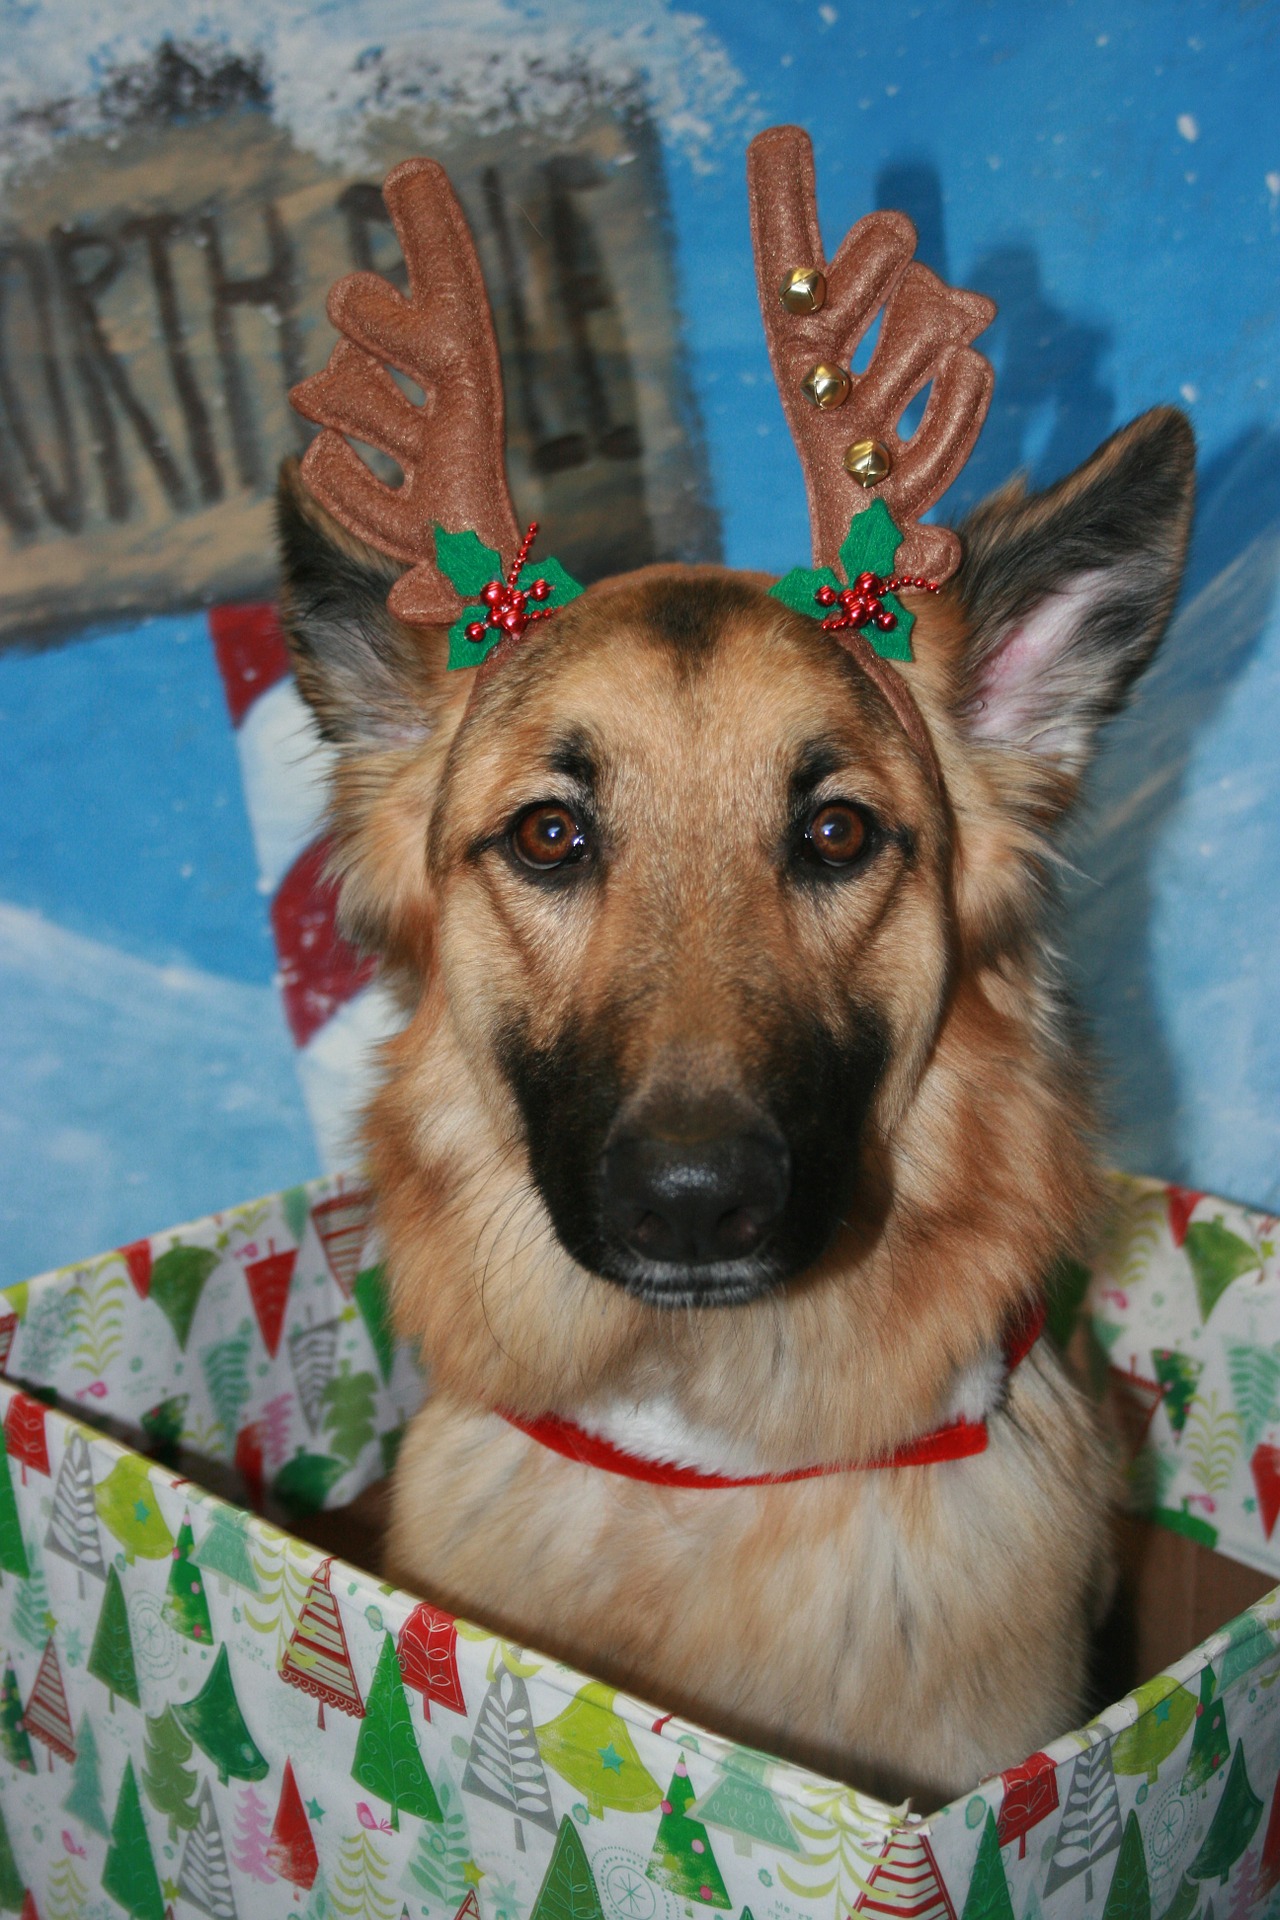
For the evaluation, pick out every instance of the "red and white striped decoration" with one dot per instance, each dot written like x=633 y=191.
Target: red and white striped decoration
x=335 y=1010
x=905 y=1882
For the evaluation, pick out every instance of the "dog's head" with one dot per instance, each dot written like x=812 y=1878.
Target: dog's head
x=725 y=955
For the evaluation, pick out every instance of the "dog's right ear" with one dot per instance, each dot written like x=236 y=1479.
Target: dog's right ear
x=382 y=697
x=371 y=682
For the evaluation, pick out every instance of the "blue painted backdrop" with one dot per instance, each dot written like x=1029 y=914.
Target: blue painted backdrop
x=1111 y=175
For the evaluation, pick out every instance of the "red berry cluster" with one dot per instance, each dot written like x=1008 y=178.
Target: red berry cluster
x=509 y=609
x=862 y=604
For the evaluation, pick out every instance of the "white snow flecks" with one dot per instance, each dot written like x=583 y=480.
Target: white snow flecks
x=491 y=65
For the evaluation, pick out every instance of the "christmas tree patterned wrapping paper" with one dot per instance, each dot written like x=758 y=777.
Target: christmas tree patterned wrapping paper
x=201 y=1715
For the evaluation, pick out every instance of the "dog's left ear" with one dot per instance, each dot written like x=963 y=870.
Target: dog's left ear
x=1067 y=593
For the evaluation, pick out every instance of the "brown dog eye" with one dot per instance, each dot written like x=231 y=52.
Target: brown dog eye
x=547 y=837
x=837 y=834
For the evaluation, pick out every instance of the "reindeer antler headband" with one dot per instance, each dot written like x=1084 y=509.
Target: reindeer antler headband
x=452 y=517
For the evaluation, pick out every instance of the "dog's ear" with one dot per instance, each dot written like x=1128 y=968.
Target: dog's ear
x=381 y=695
x=1066 y=595
x=371 y=682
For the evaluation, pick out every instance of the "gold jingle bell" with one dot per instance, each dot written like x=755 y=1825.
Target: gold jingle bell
x=803 y=291
x=868 y=461
x=826 y=386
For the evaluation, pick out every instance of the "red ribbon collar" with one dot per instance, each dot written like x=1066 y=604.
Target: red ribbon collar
x=958 y=1440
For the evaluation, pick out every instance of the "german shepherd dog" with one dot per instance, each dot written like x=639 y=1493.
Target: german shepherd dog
x=739 y=1110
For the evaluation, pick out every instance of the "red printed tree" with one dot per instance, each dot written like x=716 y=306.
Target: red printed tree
x=8 y=1327
x=268 y=1281
x=906 y=1878
x=1269 y=1866
x=428 y=1653
x=1030 y=1796
x=137 y=1262
x=1181 y=1203
x=47 y=1716
x=316 y=1659
x=341 y=1222
x=1265 y=1468
x=24 y=1435
x=291 y=1850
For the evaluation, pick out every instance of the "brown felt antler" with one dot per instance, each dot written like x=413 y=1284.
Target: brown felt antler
x=813 y=334
x=451 y=449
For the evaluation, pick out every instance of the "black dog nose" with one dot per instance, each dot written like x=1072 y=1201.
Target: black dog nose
x=695 y=1203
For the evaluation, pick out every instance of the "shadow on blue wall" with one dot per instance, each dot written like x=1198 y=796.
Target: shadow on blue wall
x=1053 y=406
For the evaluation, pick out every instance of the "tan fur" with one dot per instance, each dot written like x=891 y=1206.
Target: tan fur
x=912 y=1629
x=904 y=1629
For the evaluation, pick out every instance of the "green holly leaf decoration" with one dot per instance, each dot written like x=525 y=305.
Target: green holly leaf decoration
x=798 y=589
x=871 y=542
x=868 y=547
x=470 y=566
x=466 y=562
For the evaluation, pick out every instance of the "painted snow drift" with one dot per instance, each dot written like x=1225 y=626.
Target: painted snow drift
x=199 y=1712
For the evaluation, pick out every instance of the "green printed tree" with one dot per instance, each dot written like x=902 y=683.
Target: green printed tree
x=1184 y=1902
x=185 y=1606
x=67 y=1895
x=1233 y=1826
x=1254 y=1373
x=740 y=1804
x=13 y=1552
x=226 y=1372
x=163 y=1424
x=170 y=1785
x=214 y=1721
x=590 y=1747
x=387 y=1761
x=31 y=1616
x=568 y=1890
x=1179 y=1375
x=1129 y=1897
x=1217 y=1257
x=370 y=1295
x=305 y=1481
x=12 y=1891
x=988 y=1895
x=84 y=1802
x=1210 y=1743
x=111 y=1655
x=15 y=1742
x=682 y=1860
x=204 y=1877
x=129 y=1875
x=224 y=1549
x=359 y=1880
x=1165 y=1711
x=177 y=1281
x=349 y=1412
x=128 y=1507
x=443 y=1853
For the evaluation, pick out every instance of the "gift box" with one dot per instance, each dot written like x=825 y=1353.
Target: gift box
x=203 y=1712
